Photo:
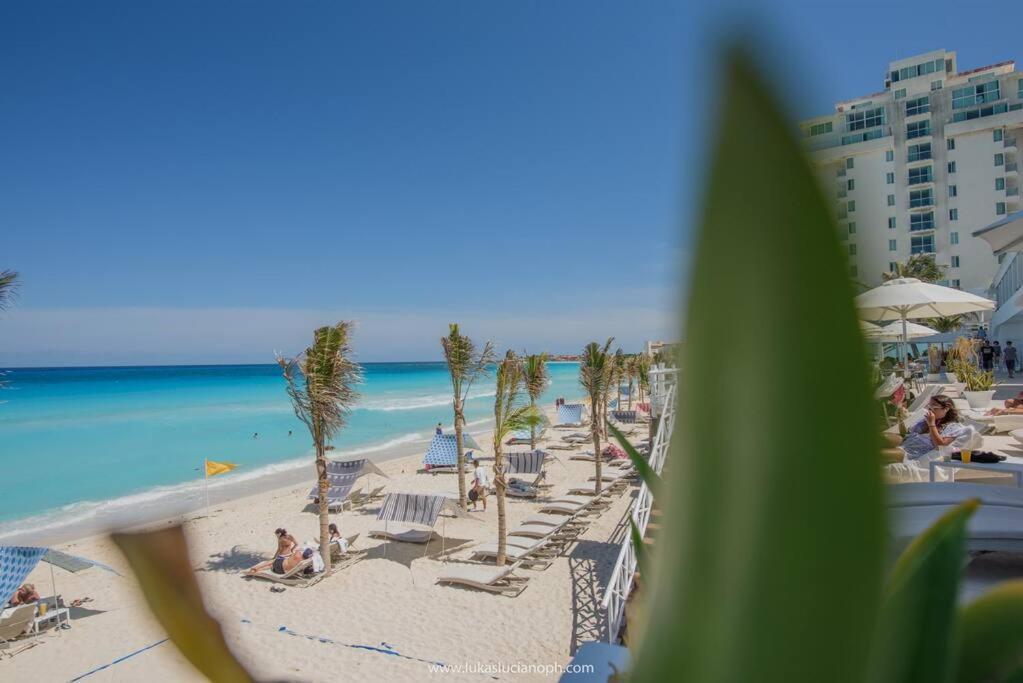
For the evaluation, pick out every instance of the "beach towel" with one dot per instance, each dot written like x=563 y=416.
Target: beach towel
x=16 y=563
x=413 y=508
x=528 y=462
x=570 y=413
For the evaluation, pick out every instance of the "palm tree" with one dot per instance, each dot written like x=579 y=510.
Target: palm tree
x=465 y=366
x=509 y=414
x=595 y=368
x=8 y=287
x=618 y=373
x=631 y=369
x=534 y=369
x=920 y=266
x=643 y=373
x=321 y=383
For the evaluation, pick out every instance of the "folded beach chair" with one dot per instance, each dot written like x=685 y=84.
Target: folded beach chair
x=403 y=533
x=500 y=580
x=15 y=622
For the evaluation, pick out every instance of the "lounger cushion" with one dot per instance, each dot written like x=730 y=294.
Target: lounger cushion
x=405 y=534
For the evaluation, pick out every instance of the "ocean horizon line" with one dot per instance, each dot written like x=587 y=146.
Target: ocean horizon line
x=136 y=366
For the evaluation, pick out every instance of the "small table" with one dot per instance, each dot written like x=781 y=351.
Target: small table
x=57 y=617
x=1004 y=467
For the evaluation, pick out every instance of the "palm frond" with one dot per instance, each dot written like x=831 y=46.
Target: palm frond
x=8 y=287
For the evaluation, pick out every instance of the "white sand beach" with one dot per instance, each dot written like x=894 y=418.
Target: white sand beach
x=388 y=600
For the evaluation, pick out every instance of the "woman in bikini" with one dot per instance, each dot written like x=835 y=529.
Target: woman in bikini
x=286 y=556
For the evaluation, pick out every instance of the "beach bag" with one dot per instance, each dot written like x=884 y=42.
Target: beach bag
x=474 y=495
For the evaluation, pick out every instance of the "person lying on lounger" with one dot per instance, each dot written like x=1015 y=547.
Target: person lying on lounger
x=285 y=558
x=25 y=595
x=1013 y=406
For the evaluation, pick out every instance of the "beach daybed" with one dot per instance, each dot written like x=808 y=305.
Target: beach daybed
x=295 y=577
x=997 y=525
x=501 y=580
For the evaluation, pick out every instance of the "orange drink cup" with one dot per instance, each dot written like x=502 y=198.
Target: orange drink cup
x=966 y=455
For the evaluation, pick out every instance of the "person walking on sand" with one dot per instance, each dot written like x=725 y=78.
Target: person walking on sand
x=480 y=484
x=1010 y=358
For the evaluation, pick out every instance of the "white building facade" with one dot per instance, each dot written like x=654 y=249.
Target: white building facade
x=919 y=166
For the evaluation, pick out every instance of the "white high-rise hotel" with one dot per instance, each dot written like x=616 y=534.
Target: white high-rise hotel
x=917 y=167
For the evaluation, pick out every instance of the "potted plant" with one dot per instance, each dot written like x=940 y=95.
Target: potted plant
x=962 y=352
x=978 y=391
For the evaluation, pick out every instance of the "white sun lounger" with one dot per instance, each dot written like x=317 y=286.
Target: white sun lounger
x=536 y=530
x=997 y=525
x=294 y=577
x=15 y=622
x=499 y=580
x=550 y=520
x=540 y=554
x=405 y=534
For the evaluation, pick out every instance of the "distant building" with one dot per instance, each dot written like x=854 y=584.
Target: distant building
x=920 y=165
x=654 y=347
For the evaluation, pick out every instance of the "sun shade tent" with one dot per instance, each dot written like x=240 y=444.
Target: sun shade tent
x=415 y=508
x=443 y=450
x=341 y=477
x=908 y=298
x=570 y=413
x=1004 y=235
x=16 y=563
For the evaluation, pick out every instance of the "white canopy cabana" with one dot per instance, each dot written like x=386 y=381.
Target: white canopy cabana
x=1005 y=234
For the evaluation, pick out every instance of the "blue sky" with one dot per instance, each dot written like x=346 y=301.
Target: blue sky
x=205 y=182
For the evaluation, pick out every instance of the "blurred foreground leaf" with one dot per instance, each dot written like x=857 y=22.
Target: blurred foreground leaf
x=643 y=469
x=160 y=562
x=769 y=563
x=991 y=635
x=914 y=637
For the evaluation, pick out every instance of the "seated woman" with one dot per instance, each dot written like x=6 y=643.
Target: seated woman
x=337 y=539
x=939 y=428
x=285 y=558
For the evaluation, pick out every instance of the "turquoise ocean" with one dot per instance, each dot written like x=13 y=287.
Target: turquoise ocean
x=94 y=444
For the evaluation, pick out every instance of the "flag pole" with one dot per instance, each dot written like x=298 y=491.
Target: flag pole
x=206 y=485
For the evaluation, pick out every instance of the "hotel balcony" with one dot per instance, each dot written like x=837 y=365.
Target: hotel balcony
x=1010 y=145
x=1011 y=168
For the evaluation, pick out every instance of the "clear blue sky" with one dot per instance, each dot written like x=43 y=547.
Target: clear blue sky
x=204 y=181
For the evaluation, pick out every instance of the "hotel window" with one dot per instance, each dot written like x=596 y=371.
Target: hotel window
x=900 y=93
x=890 y=178
x=920 y=175
x=1020 y=86
x=980 y=93
x=921 y=221
x=999 y=183
x=922 y=69
x=849 y=162
x=893 y=267
x=935 y=85
x=996 y=135
x=953 y=190
x=867 y=118
x=921 y=244
x=951 y=167
x=955 y=261
x=981 y=112
x=820 y=128
x=851 y=205
x=852 y=228
x=852 y=250
x=853 y=271
x=919 y=152
x=892 y=245
x=850 y=184
x=891 y=200
x=919 y=105
x=921 y=198
x=999 y=159
x=950 y=143
x=891 y=222
x=953 y=214
x=918 y=129
x=955 y=284
x=889 y=155
x=1000 y=208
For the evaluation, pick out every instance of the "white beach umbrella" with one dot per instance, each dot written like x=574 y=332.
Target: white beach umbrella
x=893 y=331
x=869 y=329
x=908 y=298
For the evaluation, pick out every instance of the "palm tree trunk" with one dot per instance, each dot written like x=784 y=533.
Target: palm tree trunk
x=460 y=458
x=323 y=485
x=595 y=431
x=502 y=524
x=532 y=427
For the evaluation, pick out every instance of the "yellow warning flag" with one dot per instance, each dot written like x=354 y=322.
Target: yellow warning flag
x=213 y=468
